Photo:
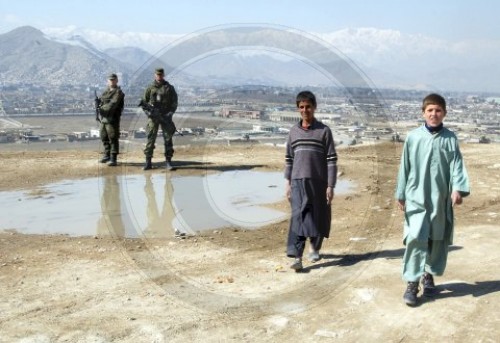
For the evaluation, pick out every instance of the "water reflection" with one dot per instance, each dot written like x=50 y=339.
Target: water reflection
x=122 y=218
x=159 y=222
x=232 y=198
x=110 y=223
x=145 y=205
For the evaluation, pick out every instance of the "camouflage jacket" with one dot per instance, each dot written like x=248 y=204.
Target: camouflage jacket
x=162 y=96
x=112 y=103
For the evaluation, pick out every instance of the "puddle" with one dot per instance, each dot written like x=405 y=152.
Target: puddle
x=146 y=205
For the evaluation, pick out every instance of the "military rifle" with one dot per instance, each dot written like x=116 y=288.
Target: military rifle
x=153 y=112
x=97 y=103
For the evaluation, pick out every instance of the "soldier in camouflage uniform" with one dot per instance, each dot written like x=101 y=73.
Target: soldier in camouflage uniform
x=111 y=105
x=161 y=98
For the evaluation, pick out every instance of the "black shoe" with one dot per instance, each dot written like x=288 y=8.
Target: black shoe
x=112 y=162
x=410 y=296
x=148 y=164
x=314 y=256
x=168 y=163
x=428 y=285
x=297 y=265
x=105 y=159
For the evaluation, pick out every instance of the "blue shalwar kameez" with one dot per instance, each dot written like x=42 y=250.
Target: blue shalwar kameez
x=431 y=169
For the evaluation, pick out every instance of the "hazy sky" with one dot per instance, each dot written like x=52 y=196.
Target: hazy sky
x=444 y=19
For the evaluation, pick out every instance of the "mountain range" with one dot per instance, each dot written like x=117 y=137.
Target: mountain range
x=387 y=58
x=29 y=56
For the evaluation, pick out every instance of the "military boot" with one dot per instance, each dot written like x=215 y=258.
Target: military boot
x=112 y=162
x=148 y=164
x=168 y=163
x=105 y=158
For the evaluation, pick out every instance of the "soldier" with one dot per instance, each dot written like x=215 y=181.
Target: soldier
x=111 y=105
x=160 y=102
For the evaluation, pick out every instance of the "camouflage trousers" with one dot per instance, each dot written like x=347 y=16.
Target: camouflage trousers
x=168 y=131
x=110 y=135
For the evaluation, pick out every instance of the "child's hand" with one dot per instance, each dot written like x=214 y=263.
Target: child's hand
x=456 y=198
x=329 y=195
x=288 y=190
x=401 y=204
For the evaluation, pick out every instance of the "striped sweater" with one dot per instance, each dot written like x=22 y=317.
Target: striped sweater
x=310 y=153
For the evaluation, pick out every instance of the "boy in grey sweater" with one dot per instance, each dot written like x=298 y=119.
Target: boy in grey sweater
x=311 y=175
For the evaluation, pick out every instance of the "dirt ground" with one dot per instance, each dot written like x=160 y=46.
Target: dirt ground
x=234 y=285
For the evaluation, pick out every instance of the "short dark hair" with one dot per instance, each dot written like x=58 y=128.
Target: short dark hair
x=306 y=96
x=434 y=99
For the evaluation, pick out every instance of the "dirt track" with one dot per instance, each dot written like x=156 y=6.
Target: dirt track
x=235 y=285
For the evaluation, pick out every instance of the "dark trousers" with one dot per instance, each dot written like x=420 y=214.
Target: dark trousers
x=110 y=137
x=296 y=244
x=152 y=131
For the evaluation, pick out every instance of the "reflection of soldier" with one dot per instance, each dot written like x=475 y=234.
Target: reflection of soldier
x=159 y=223
x=161 y=98
x=111 y=105
x=111 y=221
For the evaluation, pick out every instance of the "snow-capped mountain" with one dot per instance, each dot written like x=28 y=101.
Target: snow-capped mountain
x=388 y=58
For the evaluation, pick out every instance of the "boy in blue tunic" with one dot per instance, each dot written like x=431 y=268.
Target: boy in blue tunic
x=432 y=179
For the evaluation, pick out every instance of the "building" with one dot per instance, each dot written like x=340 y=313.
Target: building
x=294 y=116
x=236 y=113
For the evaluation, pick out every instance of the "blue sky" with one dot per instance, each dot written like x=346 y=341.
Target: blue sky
x=446 y=19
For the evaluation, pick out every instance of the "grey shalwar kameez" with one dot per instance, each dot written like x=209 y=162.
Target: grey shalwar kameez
x=311 y=167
